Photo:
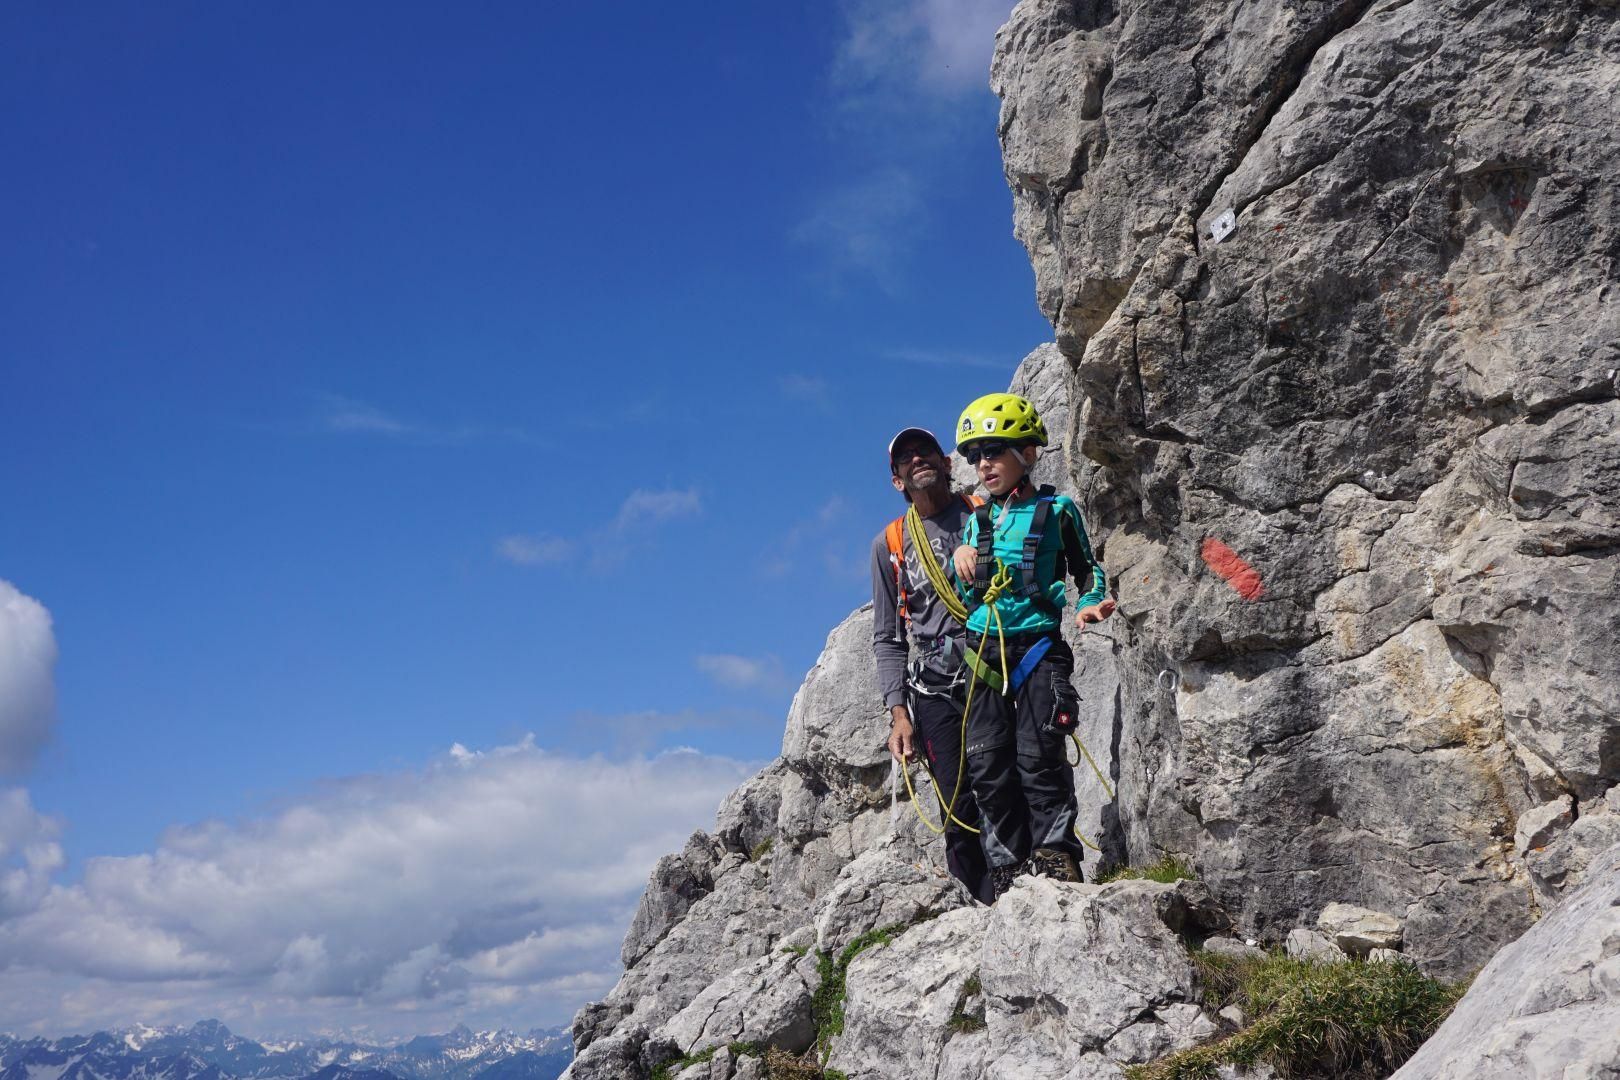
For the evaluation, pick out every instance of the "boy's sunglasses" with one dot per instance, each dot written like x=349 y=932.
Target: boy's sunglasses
x=985 y=448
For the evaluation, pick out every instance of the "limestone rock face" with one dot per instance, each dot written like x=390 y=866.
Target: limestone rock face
x=1079 y=979
x=676 y=883
x=1336 y=279
x=901 y=1000
x=1546 y=1006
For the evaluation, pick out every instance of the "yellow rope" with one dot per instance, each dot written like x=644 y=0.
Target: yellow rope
x=943 y=589
x=1093 y=762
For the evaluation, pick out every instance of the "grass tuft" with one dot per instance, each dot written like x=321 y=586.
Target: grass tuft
x=827 y=1004
x=762 y=849
x=1351 y=1019
x=673 y=1067
x=1167 y=871
x=781 y=1065
x=962 y=1020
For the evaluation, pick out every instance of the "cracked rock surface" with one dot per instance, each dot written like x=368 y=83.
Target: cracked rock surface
x=1548 y=1005
x=1355 y=461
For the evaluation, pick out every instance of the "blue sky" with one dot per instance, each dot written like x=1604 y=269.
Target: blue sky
x=401 y=402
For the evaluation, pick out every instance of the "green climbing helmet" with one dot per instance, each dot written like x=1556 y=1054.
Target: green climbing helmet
x=1000 y=416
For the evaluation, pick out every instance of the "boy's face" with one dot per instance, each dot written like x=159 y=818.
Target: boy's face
x=1004 y=470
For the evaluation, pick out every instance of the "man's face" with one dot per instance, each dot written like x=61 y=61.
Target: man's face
x=919 y=465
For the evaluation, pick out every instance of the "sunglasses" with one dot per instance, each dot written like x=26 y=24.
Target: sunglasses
x=985 y=449
x=912 y=452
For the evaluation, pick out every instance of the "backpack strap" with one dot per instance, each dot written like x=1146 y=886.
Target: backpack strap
x=894 y=537
x=985 y=569
x=1031 y=588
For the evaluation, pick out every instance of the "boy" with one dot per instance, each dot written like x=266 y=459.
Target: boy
x=1013 y=559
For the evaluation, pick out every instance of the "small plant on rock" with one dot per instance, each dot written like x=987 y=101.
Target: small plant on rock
x=1311 y=1018
x=965 y=1020
x=827 y=1004
x=1167 y=871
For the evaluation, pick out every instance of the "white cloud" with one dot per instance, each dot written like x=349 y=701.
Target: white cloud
x=533 y=550
x=810 y=389
x=609 y=545
x=29 y=853
x=743 y=672
x=27 y=678
x=866 y=225
x=346 y=415
x=491 y=887
x=934 y=47
x=821 y=540
x=642 y=507
x=907 y=81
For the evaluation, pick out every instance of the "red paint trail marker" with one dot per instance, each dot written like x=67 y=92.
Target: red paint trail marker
x=1244 y=578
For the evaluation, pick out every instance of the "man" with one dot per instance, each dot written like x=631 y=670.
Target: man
x=1016 y=551
x=923 y=686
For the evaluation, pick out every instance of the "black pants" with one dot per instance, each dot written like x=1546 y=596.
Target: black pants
x=937 y=716
x=1017 y=756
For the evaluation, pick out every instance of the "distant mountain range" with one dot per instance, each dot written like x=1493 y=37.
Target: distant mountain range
x=208 y=1051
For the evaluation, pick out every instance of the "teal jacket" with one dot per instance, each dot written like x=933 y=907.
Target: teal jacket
x=1063 y=544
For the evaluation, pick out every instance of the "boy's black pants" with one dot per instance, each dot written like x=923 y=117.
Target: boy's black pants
x=1017 y=755
x=937 y=716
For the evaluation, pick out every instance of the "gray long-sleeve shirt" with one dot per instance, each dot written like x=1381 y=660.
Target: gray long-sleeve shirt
x=930 y=622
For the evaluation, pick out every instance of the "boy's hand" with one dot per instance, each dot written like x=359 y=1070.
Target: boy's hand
x=1094 y=613
x=900 y=745
x=967 y=563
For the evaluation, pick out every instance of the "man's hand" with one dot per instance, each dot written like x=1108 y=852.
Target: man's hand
x=900 y=744
x=967 y=563
x=1094 y=613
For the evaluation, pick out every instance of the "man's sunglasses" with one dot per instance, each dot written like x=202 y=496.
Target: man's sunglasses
x=984 y=449
x=915 y=450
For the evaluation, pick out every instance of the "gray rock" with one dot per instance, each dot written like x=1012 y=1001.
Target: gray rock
x=1390 y=392
x=615 y=1056
x=900 y=1000
x=747 y=817
x=1563 y=863
x=732 y=925
x=676 y=883
x=1079 y=979
x=1546 y=1006
x=1383 y=956
x=1537 y=827
x=889 y=885
x=1311 y=945
x=766 y=1001
x=1357 y=931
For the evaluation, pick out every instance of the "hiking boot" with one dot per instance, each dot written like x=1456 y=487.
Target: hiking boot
x=1002 y=877
x=1055 y=864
